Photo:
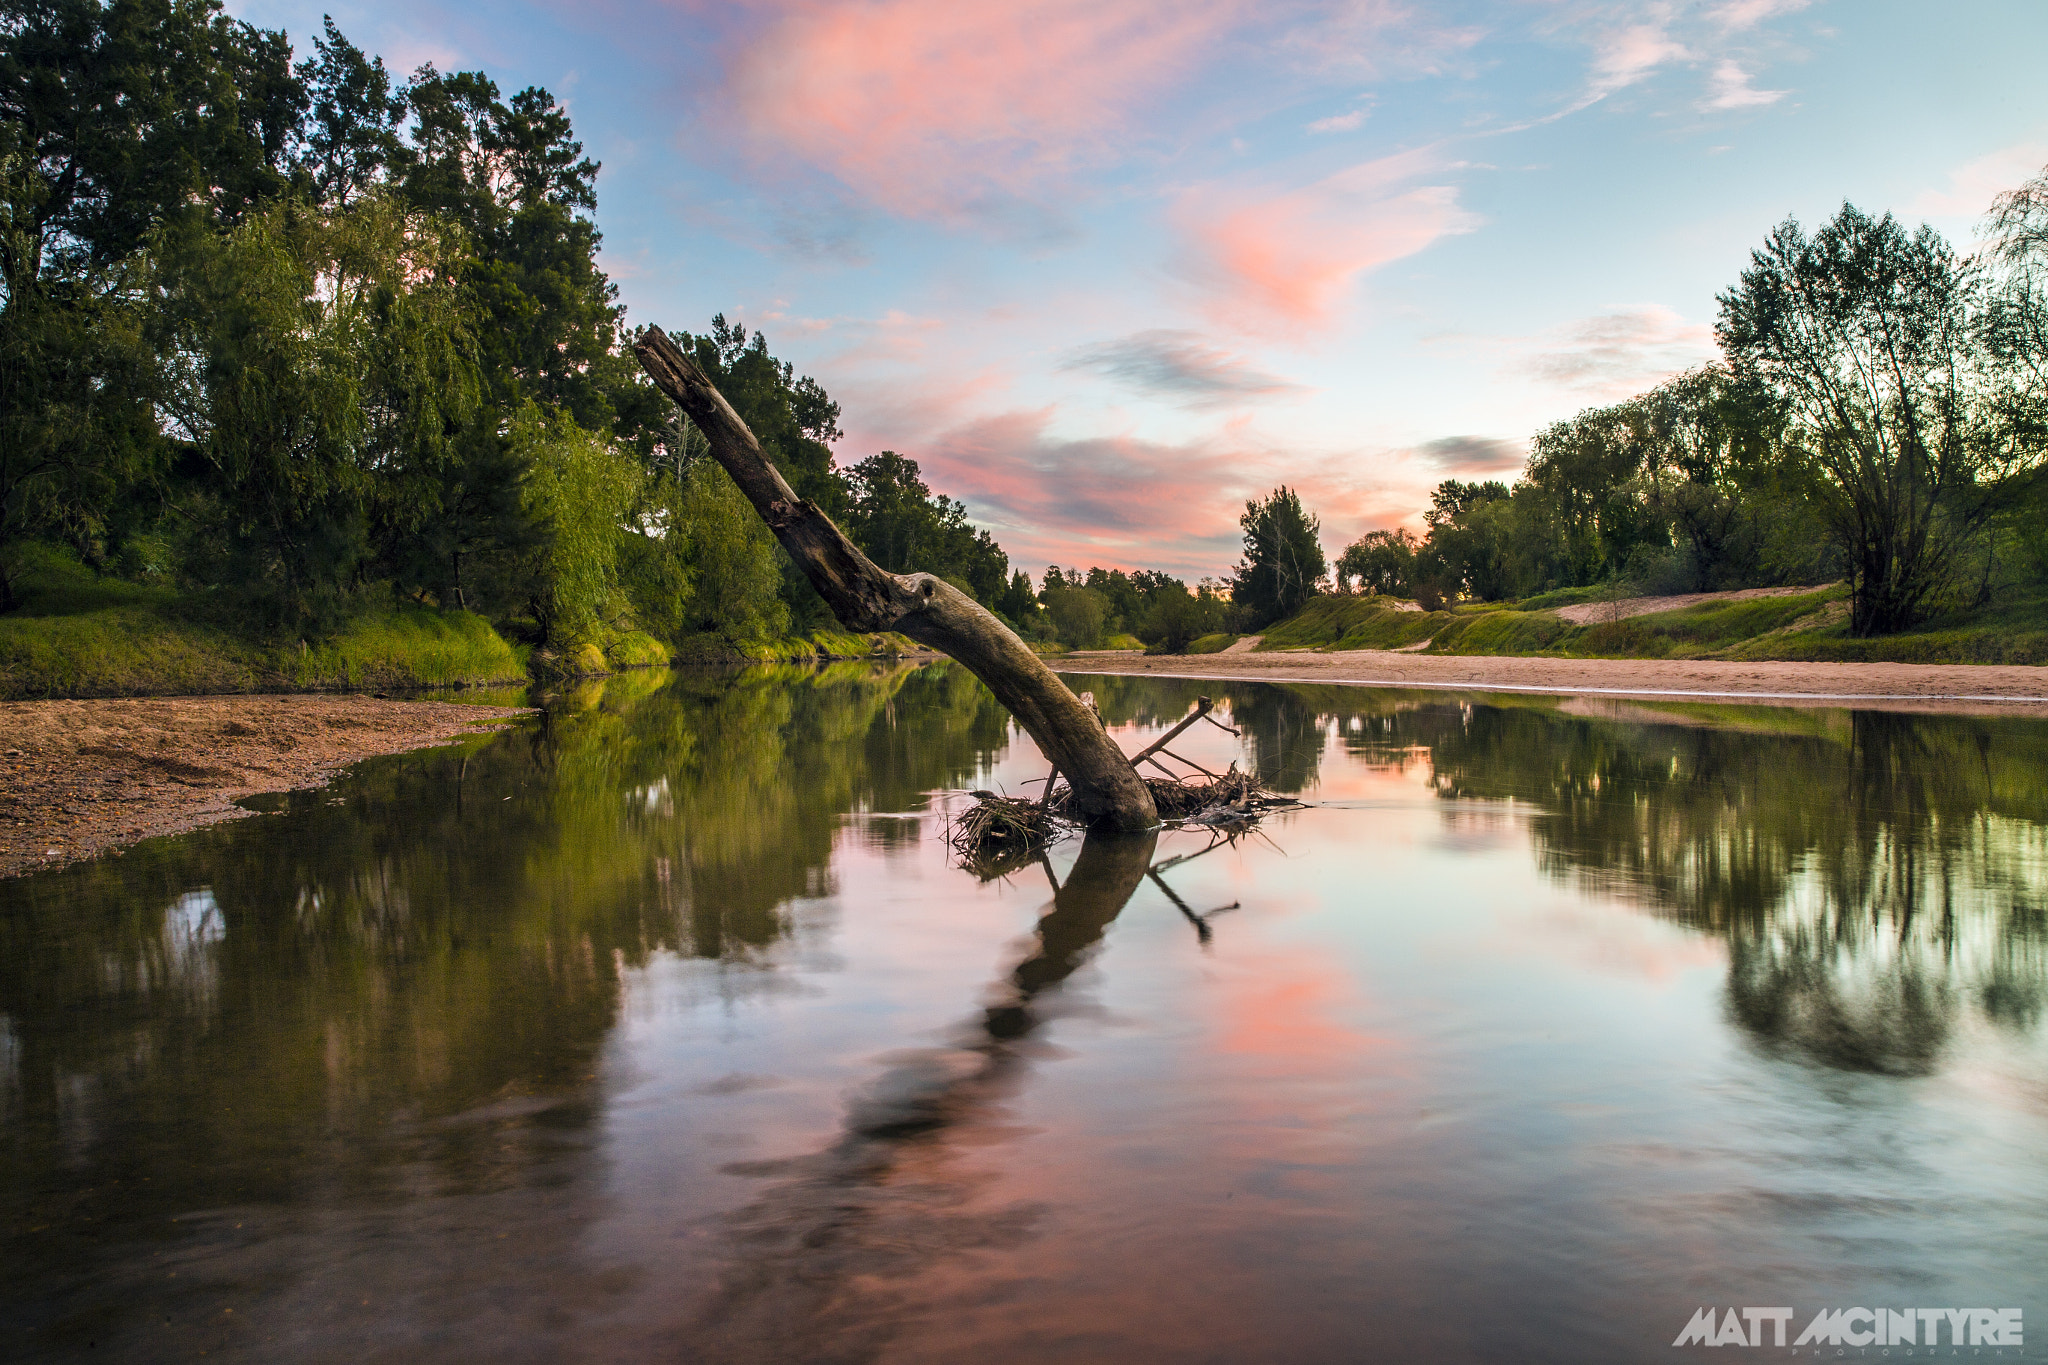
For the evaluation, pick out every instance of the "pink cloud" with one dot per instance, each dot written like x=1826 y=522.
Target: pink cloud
x=1123 y=501
x=1625 y=55
x=1731 y=90
x=1974 y=184
x=1290 y=258
x=932 y=107
x=1737 y=15
x=1118 y=500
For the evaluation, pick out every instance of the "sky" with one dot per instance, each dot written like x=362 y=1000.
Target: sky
x=1108 y=268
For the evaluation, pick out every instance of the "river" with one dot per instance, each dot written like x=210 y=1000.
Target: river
x=664 y=1027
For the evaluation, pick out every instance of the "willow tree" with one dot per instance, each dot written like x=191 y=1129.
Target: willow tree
x=1871 y=335
x=1108 y=795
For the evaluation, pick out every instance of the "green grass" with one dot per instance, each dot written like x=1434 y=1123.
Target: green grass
x=121 y=652
x=1123 y=642
x=1499 y=632
x=1560 y=597
x=1211 y=644
x=798 y=649
x=77 y=634
x=635 y=649
x=405 y=647
x=1797 y=626
x=2010 y=632
x=1327 y=620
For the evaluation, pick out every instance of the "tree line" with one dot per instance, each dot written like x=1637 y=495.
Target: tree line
x=1879 y=415
x=303 y=335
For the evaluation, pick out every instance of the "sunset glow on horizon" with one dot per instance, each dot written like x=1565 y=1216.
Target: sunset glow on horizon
x=1107 y=268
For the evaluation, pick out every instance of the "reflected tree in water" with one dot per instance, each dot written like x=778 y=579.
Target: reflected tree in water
x=1873 y=873
x=408 y=976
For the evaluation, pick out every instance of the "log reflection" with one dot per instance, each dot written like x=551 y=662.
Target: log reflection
x=815 y=1254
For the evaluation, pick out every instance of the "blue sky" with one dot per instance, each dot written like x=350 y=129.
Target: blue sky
x=1106 y=268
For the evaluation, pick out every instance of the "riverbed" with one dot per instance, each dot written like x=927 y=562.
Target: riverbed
x=661 y=1025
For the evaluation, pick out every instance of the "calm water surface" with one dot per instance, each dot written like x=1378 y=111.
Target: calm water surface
x=664 y=1029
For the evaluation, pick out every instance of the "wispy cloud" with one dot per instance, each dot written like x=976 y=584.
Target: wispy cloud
x=1975 y=183
x=1628 y=53
x=1615 y=355
x=1343 y=123
x=1737 y=15
x=1288 y=258
x=1178 y=365
x=1633 y=43
x=1729 y=88
x=934 y=109
x=1473 y=455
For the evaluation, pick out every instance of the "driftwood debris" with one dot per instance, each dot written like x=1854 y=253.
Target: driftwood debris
x=994 y=835
x=998 y=834
x=1106 y=793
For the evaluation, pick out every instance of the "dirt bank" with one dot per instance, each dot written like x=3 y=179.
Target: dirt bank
x=1997 y=688
x=78 y=778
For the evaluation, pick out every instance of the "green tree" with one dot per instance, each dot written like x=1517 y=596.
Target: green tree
x=1584 y=486
x=1017 y=602
x=1078 y=614
x=1283 y=565
x=115 y=119
x=320 y=369
x=1174 y=616
x=703 y=562
x=2014 y=328
x=905 y=528
x=795 y=421
x=1871 y=335
x=580 y=489
x=1381 y=562
x=351 y=137
x=1467 y=548
x=515 y=178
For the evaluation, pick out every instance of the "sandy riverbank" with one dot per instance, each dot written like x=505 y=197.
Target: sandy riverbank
x=2005 y=689
x=78 y=778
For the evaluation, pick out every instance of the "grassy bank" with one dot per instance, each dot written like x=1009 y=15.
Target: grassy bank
x=77 y=634
x=1811 y=626
x=818 y=645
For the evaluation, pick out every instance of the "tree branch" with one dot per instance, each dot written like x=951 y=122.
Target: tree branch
x=1107 y=792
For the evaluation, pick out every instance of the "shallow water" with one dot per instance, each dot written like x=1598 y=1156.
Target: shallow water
x=663 y=1029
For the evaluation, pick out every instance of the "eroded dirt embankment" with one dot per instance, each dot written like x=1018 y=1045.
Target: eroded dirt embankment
x=78 y=778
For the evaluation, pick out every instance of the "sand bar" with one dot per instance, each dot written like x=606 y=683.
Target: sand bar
x=1987 y=688
x=78 y=778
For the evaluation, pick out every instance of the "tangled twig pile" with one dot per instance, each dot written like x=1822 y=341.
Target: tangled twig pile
x=998 y=832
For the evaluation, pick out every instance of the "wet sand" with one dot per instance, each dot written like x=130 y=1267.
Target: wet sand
x=1992 y=688
x=79 y=778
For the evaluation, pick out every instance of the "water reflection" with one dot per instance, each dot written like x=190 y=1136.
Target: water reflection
x=377 y=1068
x=1874 y=874
x=1877 y=876
x=402 y=984
x=812 y=1257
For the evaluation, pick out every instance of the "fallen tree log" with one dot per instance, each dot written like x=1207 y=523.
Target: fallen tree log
x=1107 y=794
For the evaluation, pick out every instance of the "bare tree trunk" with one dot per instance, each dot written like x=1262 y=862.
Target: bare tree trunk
x=1107 y=793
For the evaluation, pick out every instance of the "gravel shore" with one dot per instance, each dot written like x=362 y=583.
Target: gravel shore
x=78 y=778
